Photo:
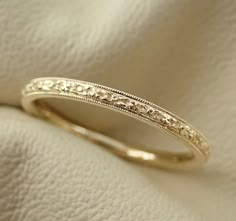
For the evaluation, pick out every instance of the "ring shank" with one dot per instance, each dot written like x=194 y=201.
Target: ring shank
x=153 y=157
x=32 y=102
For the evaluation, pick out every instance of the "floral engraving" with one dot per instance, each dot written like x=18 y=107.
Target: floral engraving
x=106 y=96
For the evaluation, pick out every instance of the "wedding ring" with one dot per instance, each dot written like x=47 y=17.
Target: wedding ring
x=37 y=90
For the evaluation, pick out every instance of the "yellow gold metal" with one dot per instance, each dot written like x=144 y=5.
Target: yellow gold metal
x=142 y=110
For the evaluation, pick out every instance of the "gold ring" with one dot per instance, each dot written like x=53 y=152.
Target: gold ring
x=36 y=97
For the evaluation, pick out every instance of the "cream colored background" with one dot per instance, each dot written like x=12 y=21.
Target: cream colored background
x=179 y=54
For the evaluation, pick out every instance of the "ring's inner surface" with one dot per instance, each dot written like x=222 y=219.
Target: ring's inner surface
x=119 y=126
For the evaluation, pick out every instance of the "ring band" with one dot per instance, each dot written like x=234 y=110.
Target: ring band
x=142 y=110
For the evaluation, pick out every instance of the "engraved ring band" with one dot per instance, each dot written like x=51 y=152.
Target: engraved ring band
x=40 y=89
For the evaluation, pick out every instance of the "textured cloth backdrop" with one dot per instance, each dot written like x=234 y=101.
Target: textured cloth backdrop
x=178 y=54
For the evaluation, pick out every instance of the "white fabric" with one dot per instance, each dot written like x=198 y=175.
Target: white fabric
x=178 y=54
